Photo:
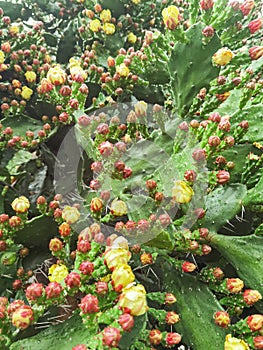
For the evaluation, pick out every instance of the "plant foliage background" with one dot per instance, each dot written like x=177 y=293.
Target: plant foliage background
x=154 y=239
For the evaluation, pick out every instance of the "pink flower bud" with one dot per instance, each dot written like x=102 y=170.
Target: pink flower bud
x=73 y=280
x=89 y=304
x=155 y=336
x=86 y=268
x=126 y=321
x=111 y=336
x=34 y=291
x=173 y=339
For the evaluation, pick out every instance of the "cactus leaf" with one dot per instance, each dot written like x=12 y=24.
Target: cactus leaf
x=223 y=204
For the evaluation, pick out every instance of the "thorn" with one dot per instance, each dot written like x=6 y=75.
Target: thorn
x=229 y=223
x=228 y=229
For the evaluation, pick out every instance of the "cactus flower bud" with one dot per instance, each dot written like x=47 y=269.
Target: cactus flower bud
x=251 y=296
x=206 y=4
x=214 y=141
x=181 y=192
x=73 y=280
x=255 y=322
x=232 y=343
x=20 y=205
x=56 y=76
x=83 y=246
x=190 y=175
x=101 y=288
x=96 y=205
x=234 y=285
x=133 y=300
x=122 y=276
x=14 y=221
x=223 y=56
x=172 y=317
x=34 y=291
x=146 y=259
x=155 y=336
x=208 y=31
x=222 y=319
x=173 y=338
x=171 y=17
x=126 y=321
x=255 y=25
x=70 y=214
x=246 y=7
x=55 y=245
x=256 y=52
x=80 y=347
x=89 y=304
x=23 y=317
x=118 y=208
x=64 y=230
x=86 y=268
x=188 y=266
x=111 y=337
x=223 y=177
x=258 y=342
x=170 y=299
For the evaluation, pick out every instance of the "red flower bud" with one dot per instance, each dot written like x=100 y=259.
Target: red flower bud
x=101 y=288
x=169 y=299
x=173 y=339
x=222 y=319
x=206 y=4
x=126 y=321
x=188 y=266
x=83 y=246
x=34 y=291
x=255 y=322
x=53 y=290
x=258 y=342
x=172 y=317
x=89 y=304
x=223 y=177
x=155 y=336
x=111 y=336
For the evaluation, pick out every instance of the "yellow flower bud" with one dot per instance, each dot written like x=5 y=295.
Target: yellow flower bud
x=78 y=71
x=105 y=16
x=20 y=204
x=23 y=317
x=122 y=70
x=57 y=273
x=116 y=256
x=70 y=214
x=56 y=75
x=108 y=28
x=181 y=192
x=26 y=92
x=223 y=56
x=122 y=276
x=118 y=208
x=2 y=57
x=13 y=30
x=171 y=17
x=232 y=343
x=140 y=108
x=136 y=2
x=133 y=300
x=95 y=25
x=30 y=76
x=132 y=38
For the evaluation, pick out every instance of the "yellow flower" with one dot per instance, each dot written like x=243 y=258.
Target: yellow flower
x=20 y=204
x=70 y=214
x=30 y=76
x=223 y=56
x=171 y=17
x=13 y=30
x=118 y=208
x=136 y=2
x=140 y=108
x=232 y=343
x=122 y=276
x=108 y=28
x=132 y=38
x=116 y=256
x=57 y=273
x=26 y=92
x=95 y=25
x=105 y=16
x=133 y=299
x=2 y=57
x=56 y=75
x=122 y=70
x=181 y=192
x=74 y=62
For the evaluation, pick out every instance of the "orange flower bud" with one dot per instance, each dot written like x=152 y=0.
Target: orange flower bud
x=222 y=319
x=255 y=322
x=234 y=285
